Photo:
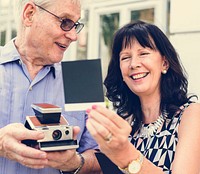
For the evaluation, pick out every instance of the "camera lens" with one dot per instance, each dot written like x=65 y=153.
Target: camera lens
x=57 y=134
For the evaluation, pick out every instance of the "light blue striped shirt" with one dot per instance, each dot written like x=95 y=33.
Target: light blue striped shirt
x=18 y=92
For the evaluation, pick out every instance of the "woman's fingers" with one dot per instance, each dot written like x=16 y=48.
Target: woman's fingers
x=110 y=120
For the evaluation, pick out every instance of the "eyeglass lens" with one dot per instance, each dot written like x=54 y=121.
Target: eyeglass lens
x=68 y=24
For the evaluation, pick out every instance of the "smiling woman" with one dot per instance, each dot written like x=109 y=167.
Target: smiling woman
x=141 y=66
x=156 y=121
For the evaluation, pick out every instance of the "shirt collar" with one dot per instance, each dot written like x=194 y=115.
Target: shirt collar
x=9 y=53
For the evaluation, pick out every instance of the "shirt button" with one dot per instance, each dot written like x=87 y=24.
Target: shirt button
x=20 y=62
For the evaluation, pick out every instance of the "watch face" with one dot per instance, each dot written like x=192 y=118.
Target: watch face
x=134 y=167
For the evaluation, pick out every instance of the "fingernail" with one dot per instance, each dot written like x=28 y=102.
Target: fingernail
x=94 y=106
x=88 y=111
x=43 y=155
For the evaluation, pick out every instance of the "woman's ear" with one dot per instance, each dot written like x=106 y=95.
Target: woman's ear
x=165 y=66
x=28 y=12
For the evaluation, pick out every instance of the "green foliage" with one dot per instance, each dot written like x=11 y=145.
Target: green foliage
x=109 y=25
x=2 y=38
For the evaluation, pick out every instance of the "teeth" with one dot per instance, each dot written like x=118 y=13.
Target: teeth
x=63 y=46
x=138 y=76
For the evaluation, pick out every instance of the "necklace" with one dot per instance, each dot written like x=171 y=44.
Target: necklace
x=150 y=129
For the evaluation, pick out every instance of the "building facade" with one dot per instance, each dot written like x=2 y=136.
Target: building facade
x=178 y=19
x=7 y=24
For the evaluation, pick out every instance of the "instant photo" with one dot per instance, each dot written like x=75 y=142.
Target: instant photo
x=83 y=84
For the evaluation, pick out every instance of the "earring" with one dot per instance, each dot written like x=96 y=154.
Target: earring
x=164 y=71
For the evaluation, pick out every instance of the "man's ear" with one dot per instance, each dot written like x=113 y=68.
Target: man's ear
x=28 y=13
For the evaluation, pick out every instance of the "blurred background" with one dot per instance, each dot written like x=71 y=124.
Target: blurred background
x=179 y=20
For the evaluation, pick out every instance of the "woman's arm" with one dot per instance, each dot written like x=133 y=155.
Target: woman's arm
x=187 y=156
x=101 y=123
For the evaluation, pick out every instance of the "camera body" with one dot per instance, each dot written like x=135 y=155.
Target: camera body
x=58 y=133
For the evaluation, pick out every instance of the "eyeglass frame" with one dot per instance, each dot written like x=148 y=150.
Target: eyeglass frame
x=78 y=26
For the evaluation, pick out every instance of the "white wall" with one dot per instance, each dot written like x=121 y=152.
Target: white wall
x=185 y=15
x=185 y=36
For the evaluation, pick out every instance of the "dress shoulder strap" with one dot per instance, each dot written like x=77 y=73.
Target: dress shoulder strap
x=175 y=121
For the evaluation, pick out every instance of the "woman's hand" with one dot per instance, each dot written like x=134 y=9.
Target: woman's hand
x=110 y=131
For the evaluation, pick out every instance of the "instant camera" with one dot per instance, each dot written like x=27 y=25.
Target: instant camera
x=58 y=133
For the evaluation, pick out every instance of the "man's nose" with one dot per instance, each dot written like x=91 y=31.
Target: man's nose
x=72 y=35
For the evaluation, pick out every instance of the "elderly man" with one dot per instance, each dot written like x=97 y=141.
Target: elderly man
x=30 y=72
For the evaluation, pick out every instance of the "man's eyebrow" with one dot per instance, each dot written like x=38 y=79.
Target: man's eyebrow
x=68 y=16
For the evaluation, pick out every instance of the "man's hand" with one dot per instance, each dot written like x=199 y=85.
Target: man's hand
x=12 y=148
x=67 y=160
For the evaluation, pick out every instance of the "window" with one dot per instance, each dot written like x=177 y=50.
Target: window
x=107 y=16
x=109 y=23
x=144 y=14
x=82 y=46
x=2 y=38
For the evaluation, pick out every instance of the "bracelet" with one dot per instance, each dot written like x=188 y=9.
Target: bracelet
x=78 y=169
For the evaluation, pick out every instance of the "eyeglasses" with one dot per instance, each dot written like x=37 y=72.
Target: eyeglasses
x=66 y=24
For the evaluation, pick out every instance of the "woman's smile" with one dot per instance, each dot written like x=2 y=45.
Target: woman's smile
x=139 y=76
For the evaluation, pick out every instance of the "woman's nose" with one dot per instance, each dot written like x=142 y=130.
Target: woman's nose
x=135 y=63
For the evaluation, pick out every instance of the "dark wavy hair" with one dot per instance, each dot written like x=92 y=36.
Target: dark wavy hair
x=174 y=84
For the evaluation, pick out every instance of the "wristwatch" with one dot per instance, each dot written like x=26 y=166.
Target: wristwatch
x=134 y=166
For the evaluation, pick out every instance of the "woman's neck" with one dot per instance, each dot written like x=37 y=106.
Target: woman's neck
x=150 y=110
